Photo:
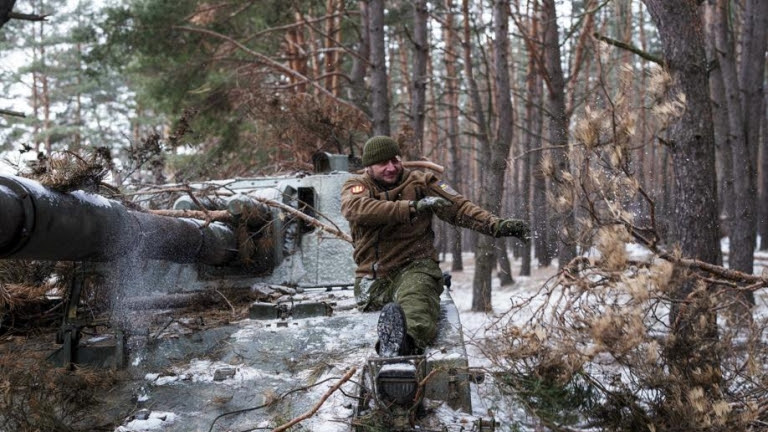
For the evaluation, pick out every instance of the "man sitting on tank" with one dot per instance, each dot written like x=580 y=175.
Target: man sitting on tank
x=389 y=209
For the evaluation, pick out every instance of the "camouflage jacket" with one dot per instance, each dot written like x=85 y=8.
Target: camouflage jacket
x=387 y=235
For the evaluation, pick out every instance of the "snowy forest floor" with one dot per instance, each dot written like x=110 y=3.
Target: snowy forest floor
x=480 y=328
x=162 y=391
x=477 y=327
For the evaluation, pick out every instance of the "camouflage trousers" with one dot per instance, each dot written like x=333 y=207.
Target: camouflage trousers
x=416 y=287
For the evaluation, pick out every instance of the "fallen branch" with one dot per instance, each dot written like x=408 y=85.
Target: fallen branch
x=306 y=218
x=317 y=406
x=756 y=282
x=268 y=403
x=424 y=382
x=174 y=189
x=225 y=216
x=226 y=300
x=213 y=215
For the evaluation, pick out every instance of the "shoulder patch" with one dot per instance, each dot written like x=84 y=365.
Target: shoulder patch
x=446 y=188
x=356 y=189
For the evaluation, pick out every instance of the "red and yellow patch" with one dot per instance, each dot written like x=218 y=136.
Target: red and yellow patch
x=356 y=189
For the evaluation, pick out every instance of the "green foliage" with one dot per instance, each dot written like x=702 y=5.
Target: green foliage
x=555 y=403
x=174 y=68
x=74 y=104
x=133 y=69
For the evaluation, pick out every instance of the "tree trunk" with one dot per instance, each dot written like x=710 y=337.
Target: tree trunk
x=379 y=84
x=357 y=91
x=558 y=127
x=763 y=222
x=295 y=51
x=452 y=98
x=691 y=140
x=754 y=39
x=742 y=225
x=505 y=266
x=485 y=255
x=533 y=129
x=36 y=97
x=419 y=81
x=541 y=212
x=333 y=9
x=751 y=79
x=724 y=159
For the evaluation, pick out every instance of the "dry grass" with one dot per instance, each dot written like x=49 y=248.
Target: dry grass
x=37 y=397
x=30 y=294
x=68 y=171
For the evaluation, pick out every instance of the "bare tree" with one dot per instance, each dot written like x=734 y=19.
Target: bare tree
x=754 y=37
x=724 y=159
x=452 y=100
x=530 y=141
x=743 y=221
x=379 y=80
x=481 y=135
x=485 y=252
x=357 y=89
x=763 y=221
x=419 y=80
x=558 y=126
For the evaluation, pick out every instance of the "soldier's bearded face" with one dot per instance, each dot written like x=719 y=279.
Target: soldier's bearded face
x=387 y=172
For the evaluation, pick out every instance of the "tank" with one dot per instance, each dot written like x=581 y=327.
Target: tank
x=301 y=337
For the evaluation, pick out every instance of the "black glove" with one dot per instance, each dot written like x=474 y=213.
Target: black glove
x=430 y=203
x=513 y=228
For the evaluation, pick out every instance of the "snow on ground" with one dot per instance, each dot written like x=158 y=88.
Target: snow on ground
x=478 y=327
x=334 y=414
x=156 y=420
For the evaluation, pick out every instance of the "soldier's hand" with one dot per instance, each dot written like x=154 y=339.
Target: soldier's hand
x=430 y=203
x=513 y=228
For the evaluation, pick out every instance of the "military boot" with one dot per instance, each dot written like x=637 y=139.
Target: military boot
x=396 y=381
x=393 y=339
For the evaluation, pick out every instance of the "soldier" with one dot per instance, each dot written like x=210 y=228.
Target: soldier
x=390 y=210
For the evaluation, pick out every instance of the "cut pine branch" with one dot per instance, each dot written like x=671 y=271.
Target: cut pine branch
x=225 y=216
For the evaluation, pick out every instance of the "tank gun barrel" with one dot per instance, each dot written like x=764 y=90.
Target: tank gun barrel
x=40 y=223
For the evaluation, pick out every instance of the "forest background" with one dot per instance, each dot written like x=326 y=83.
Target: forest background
x=487 y=89
x=597 y=121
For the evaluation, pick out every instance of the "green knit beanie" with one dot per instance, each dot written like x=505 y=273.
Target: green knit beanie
x=379 y=149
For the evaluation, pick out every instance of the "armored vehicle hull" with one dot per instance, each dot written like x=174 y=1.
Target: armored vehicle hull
x=281 y=359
